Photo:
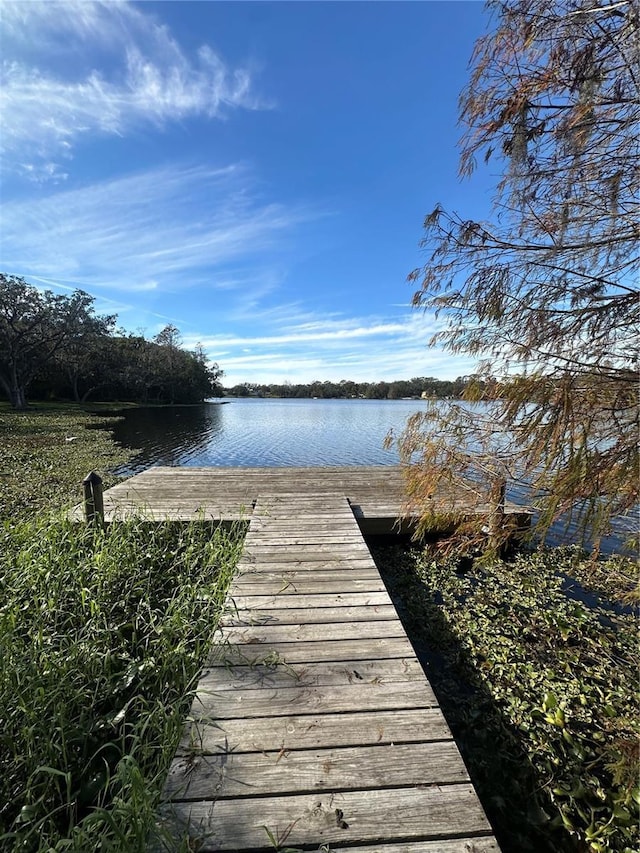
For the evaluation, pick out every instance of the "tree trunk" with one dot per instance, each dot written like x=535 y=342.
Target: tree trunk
x=15 y=391
x=18 y=397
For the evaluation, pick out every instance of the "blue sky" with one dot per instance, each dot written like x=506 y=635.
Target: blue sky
x=255 y=173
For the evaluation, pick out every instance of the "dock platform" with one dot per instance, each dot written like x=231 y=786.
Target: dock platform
x=313 y=727
x=376 y=493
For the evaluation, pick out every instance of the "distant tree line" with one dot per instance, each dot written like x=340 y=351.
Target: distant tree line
x=345 y=389
x=56 y=347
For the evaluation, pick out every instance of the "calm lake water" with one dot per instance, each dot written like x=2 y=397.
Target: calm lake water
x=279 y=433
x=264 y=432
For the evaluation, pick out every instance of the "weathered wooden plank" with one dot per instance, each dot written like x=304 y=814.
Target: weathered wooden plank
x=362 y=567
x=456 y=845
x=267 y=675
x=408 y=813
x=283 y=588
x=306 y=583
x=304 y=497
x=357 y=728
x=310 y=561
x=161 y=507
x=296 y=583
x=228 y=775
x=306 y=520
x=299 y=587
x=307 y=557
x=308 y=550
x=310 y=501
x=283 y=481
x=307 y=508
x=319 y=650
x=296 y=615
x=322 y=600
x=305 y=699
x=267 y=635
x=348 y=541
x=282 y=532
x=311 y=516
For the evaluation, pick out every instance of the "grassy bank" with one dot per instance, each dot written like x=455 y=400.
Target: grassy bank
x=102 y=635
x=46 y=452
x=540 y=689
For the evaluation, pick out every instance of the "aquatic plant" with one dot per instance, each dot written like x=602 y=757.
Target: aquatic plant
x=46 y=452
x=539 y=683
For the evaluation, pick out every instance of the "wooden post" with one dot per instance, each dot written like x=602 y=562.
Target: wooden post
x=497 y=492
x=93 y=503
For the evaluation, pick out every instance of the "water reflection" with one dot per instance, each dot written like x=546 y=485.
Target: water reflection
x=167 y=436
x=271 y=433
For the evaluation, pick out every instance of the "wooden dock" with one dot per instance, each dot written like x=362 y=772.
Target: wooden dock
x=375 y=493
x=313 y=727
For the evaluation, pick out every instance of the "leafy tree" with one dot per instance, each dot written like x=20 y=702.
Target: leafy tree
x=546 y=295
x=131 y=368
x=36 y=327
x=169 y=340
x=83 y=355
x=210 y=373
x=159 y=371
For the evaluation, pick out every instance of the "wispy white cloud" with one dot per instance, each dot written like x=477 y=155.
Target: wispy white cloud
x=335 y=348
x=292 y=324
x=159 y=229
x=310 y=336
x=77 y=69
x=387 y=364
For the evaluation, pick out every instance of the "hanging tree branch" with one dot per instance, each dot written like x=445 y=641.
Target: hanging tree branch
x=547 y=293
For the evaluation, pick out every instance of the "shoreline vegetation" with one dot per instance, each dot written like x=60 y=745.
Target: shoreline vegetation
x=46 y=451
x=534 y=662
x=103 y=633
x=56 y=347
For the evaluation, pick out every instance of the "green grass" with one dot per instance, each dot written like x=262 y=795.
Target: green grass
x=102 y=636
x=541 y=691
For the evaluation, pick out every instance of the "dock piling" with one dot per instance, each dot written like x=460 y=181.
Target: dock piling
x=93 y=501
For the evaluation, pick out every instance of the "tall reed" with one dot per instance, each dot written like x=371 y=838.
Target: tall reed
x=102 y=636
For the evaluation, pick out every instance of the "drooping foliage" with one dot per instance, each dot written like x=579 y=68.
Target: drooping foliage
x=545 y=295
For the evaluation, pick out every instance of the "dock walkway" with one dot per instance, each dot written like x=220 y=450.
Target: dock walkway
x=314 y=726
